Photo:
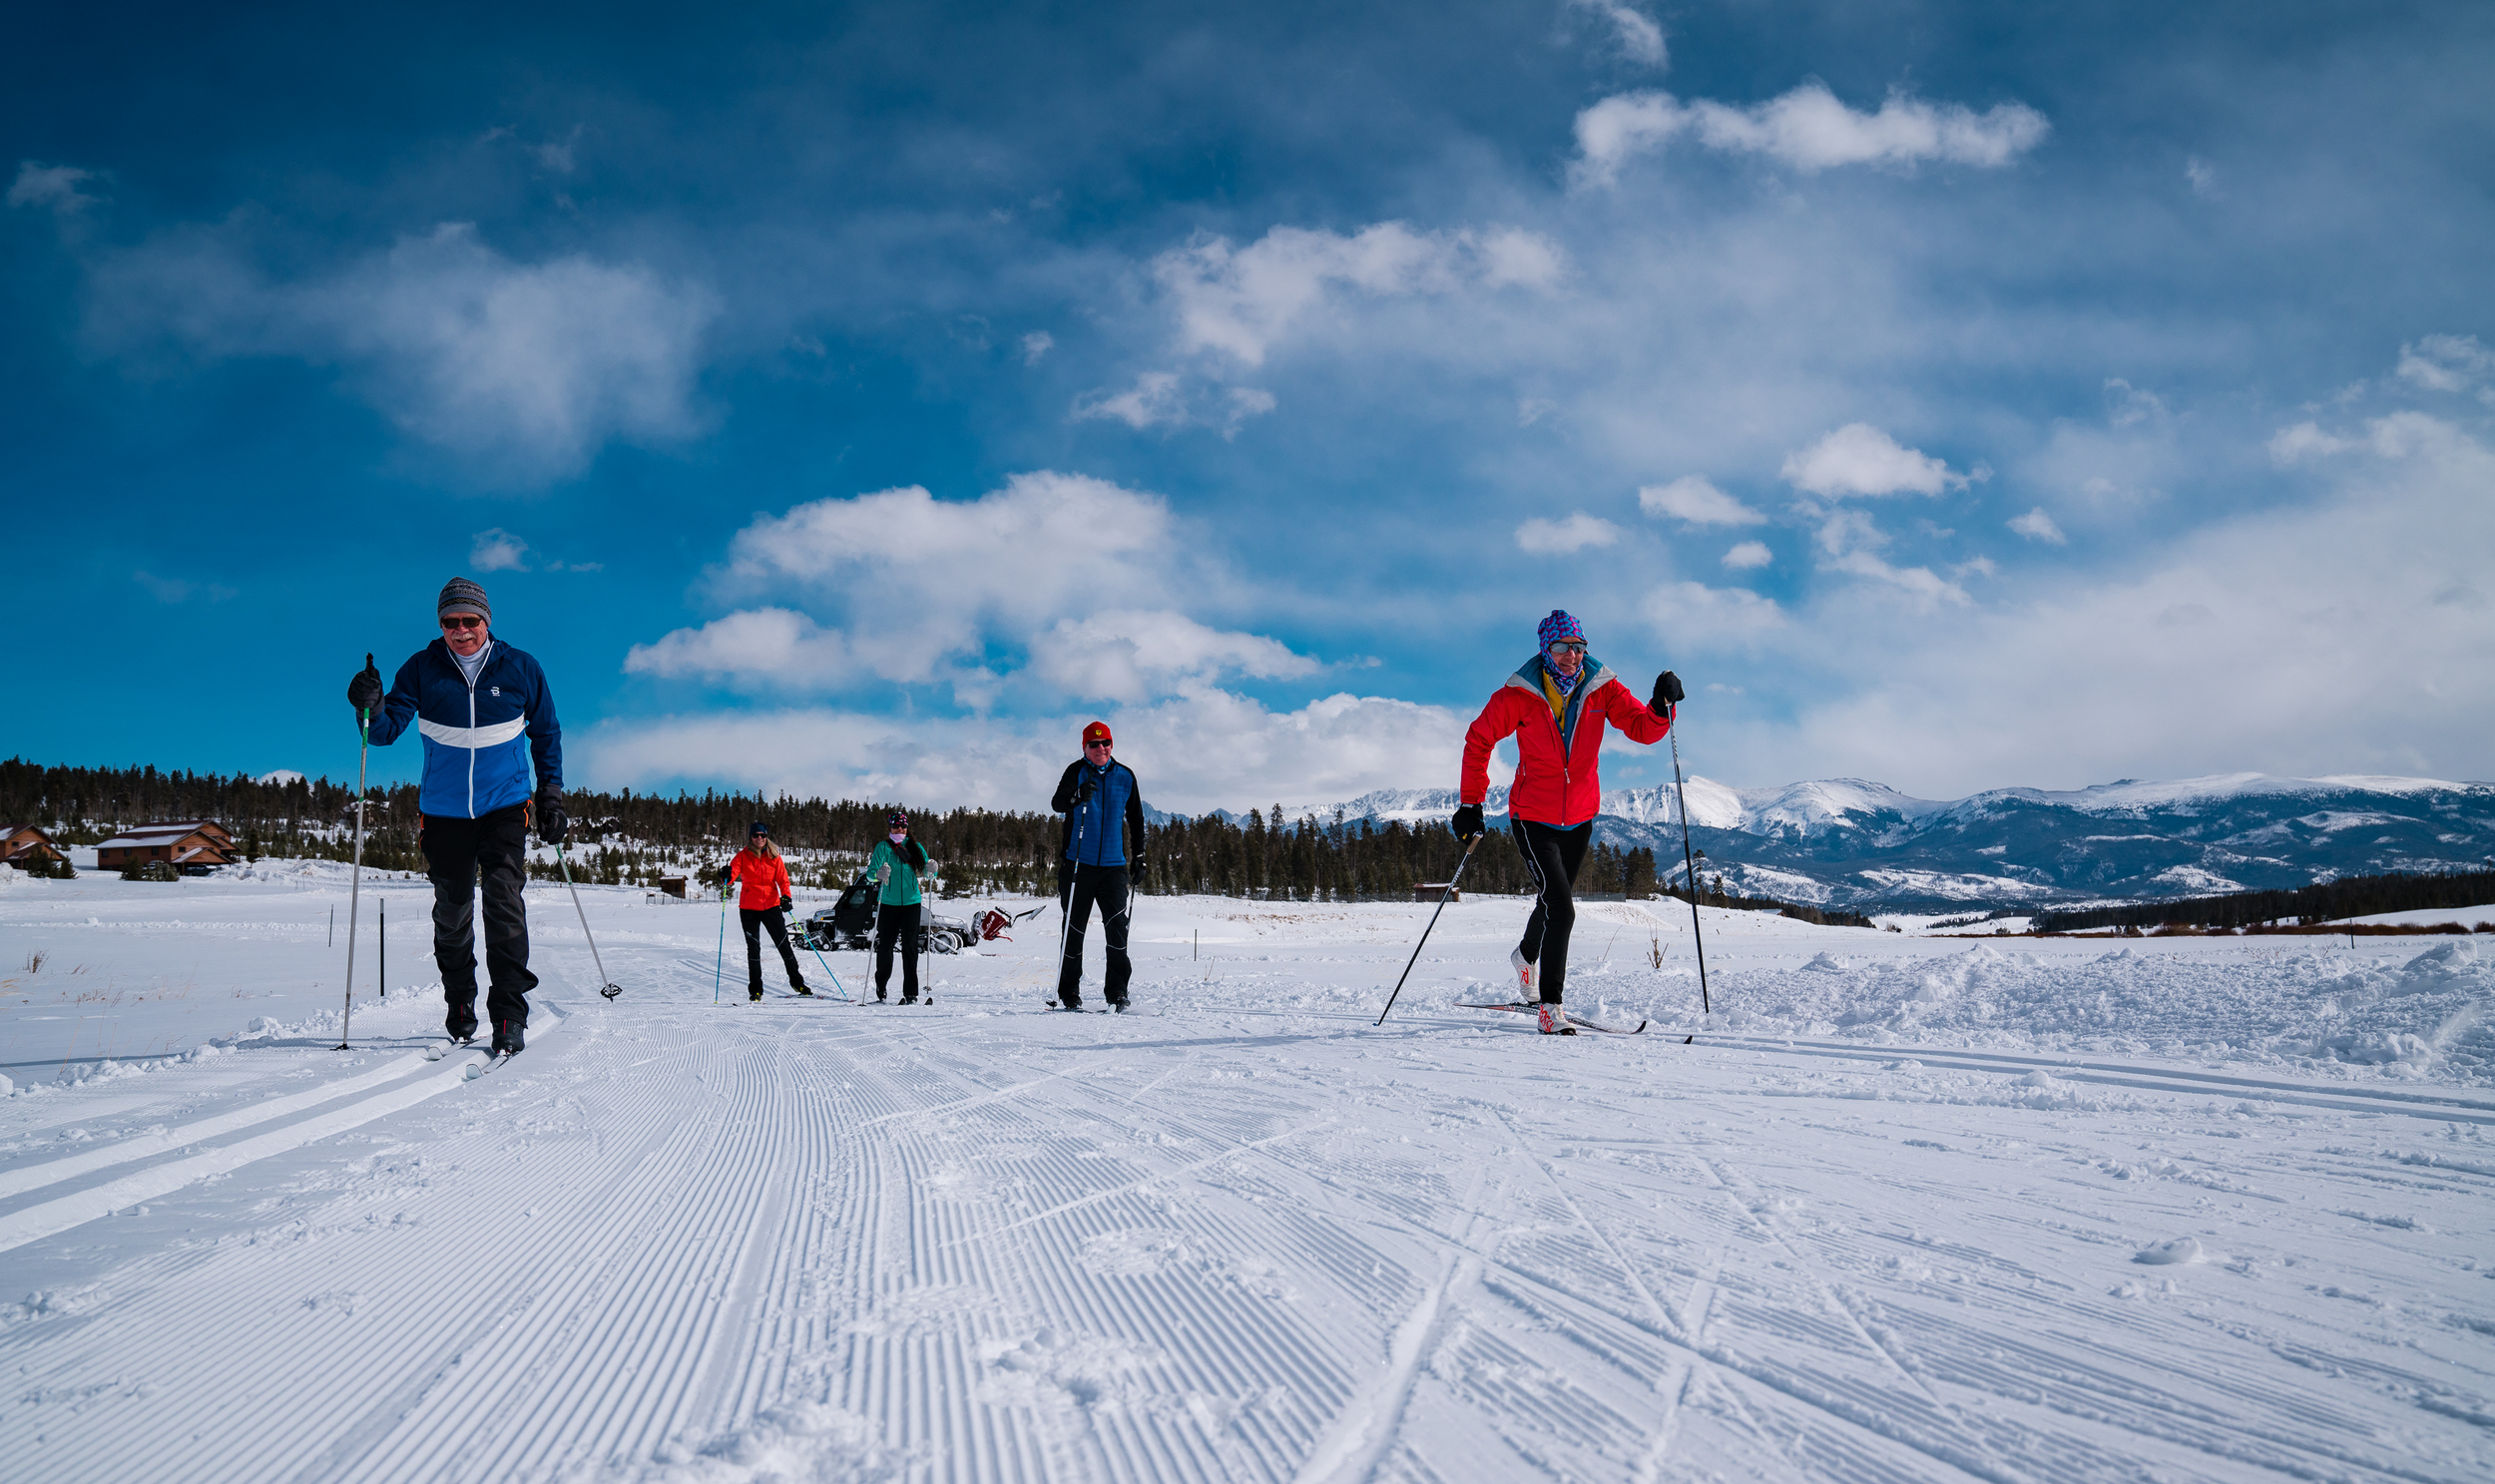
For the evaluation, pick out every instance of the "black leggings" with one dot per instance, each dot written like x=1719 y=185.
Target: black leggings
x=896 y=924
x=758 y=921
x=1553 y=855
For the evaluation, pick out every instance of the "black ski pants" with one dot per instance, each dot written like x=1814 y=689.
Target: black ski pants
x=1551 y=854
x=457 y=853
x=897 y=924
x=1107 y=887
x=757 y=922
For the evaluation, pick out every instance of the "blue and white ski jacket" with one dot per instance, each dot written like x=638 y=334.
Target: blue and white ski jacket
x=1097 y=823
x=478 y=739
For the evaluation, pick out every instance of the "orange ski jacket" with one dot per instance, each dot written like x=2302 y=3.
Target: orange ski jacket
x=1556 y=746
x=762 y=881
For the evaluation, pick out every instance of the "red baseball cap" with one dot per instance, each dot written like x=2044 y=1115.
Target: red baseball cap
x=1098 y=732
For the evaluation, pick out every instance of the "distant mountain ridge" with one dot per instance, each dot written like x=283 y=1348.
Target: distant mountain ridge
x=1853 y=843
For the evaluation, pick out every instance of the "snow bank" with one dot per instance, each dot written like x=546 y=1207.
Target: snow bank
x=2333 y=1011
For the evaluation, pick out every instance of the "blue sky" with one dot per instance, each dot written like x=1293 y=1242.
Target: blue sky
x=856 y=400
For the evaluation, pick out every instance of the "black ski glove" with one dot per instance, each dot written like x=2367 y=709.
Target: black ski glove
x=363 y=693
x=1083 y=792
x=552 y=822
x=786 y=902
x=1668 y=693
x=1135 y=875
x=1467 y=822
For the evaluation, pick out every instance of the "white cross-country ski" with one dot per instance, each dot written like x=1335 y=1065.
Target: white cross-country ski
x=1572 y=1017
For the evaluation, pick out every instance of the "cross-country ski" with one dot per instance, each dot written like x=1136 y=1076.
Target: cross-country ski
x=1519 y=1007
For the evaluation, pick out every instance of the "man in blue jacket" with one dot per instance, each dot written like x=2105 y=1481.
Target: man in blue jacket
x=1103 y=833
x=490 y=741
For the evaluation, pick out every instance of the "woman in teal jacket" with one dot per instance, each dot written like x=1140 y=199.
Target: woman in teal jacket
x=896 y=863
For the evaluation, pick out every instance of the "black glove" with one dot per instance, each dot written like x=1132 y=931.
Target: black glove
x=1467 y=822
x=1083 y=792
x=552 y=822
x=1668 y=693
x=1135 y=875
x=363 y=693
x=786 y=902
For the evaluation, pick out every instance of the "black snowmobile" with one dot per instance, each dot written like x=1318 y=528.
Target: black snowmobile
x=850 y=923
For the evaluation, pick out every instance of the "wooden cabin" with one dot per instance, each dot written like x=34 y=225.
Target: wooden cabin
x=22 y=845
x=184 y=844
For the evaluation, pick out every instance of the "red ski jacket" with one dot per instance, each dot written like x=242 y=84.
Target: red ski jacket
x=1557 y=782
x=761 y=881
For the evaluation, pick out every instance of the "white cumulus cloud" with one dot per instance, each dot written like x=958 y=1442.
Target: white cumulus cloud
x=1747 y=555
x=1808 y=129
x=1860 y=459
x=1694 y=614
x=53 y=187
x=1238 y=301
x=2446 y=363
x=769 y=646
x=1155 y=400
x=1136 y=655
x=1073 y=582
x=1635 y=32
x=2035 y=525
x=1576 y=533
x=1693 y=499
x=498 y=550
x=526 y=368
x=1208 y=750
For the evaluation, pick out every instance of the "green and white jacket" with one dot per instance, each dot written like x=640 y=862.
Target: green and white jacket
x=899 y=877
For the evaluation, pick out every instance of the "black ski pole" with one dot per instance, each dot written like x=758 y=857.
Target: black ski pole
x=1689 y=863
x=355 y=892
x=1433 y=922
x=607 y=987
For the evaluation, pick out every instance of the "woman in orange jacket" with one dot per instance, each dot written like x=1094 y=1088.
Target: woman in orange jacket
x=763 y=903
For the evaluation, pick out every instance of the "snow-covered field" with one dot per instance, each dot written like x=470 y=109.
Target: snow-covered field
x=1909 y=1207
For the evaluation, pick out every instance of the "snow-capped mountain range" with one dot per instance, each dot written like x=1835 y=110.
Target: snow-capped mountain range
x=1853 y=843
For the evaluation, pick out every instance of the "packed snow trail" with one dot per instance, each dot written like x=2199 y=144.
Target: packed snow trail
x=1242 y=1235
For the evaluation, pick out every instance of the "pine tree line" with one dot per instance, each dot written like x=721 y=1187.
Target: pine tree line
x=629 y=838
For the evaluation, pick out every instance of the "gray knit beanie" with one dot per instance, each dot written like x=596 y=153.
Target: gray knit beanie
x=462 y=596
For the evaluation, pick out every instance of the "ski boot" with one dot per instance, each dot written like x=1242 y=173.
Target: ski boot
x=508 y=1040
x=800 y=988
x=1554 y=1022
x=1118 y=1006
x=1524 y=974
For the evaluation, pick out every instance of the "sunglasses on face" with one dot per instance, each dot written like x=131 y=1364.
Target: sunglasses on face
x=1087 y=747
x=1568 y=647
x=462 y=621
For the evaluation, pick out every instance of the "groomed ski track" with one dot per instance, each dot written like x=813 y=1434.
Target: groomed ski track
x=1244 y=1236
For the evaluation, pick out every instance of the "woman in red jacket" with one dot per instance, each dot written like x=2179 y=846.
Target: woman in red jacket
x=762 y=903
x=1555 y=705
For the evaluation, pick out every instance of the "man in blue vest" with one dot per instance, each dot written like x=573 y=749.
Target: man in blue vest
x=1104 y=834
x=491 y=744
